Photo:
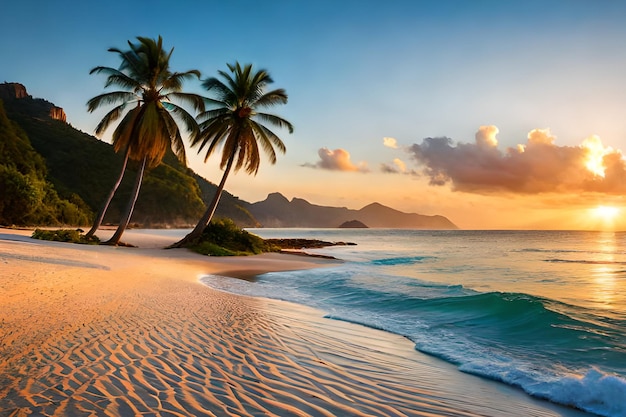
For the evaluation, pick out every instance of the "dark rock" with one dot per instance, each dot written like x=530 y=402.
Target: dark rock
x=353 y=224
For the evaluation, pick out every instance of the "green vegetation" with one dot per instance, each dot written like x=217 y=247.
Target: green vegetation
x=65 y=235
x=222 y=237
x=80 y=169
x=233 y=125
x=27 y=197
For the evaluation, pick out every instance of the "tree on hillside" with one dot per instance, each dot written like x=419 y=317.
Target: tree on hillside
x=26 y=196
x=149 y=128
x=234 y=124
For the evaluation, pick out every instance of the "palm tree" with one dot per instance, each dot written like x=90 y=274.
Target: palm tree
x=234 y=125
x=148 y=129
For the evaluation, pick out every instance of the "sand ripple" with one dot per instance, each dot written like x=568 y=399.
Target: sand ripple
x=131 y=341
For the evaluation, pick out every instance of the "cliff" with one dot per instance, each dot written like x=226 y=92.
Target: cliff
x=57 y=113
x=9 y=91
x=14 y=94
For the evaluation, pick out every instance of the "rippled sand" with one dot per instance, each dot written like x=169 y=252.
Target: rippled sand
x=102 y=331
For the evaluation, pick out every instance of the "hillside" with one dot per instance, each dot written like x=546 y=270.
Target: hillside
x=26 y=196
x=79 y=164
x=277 y=211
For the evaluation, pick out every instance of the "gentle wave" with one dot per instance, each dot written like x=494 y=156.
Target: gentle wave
x=517 y=339
x=549 y=349
x=404 y=260
x=585 y=261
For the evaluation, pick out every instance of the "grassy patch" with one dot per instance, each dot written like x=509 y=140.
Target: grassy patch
x=222 y=237
x=65 y=235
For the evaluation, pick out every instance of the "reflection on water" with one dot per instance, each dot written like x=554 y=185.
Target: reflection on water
x=603 y=286
x=587 y=269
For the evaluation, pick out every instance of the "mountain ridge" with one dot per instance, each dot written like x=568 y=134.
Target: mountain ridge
x=277 y=211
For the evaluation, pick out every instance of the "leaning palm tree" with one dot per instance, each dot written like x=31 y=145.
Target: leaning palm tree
x=149 y=128
x=234 y=126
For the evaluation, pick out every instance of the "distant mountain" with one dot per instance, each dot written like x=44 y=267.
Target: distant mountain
x=277 y=211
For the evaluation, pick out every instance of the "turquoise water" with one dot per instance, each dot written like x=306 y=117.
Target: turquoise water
x=541 y=310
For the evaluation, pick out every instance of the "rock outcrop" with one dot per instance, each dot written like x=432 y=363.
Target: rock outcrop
x=352 y=224
x=17 y=91
x=57 y=113
x=12 y=90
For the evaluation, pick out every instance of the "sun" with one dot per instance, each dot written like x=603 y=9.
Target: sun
x=606 y=213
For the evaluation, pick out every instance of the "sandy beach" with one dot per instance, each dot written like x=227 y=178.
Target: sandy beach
x=107 y=331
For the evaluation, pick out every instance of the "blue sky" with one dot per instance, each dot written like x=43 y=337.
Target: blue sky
x=360 y=71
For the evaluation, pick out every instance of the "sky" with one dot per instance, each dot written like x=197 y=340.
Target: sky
x=495 y=114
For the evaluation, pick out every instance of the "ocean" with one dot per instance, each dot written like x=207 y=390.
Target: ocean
x=544 y=311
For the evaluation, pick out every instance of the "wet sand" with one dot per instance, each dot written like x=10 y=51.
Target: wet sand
x=105 y=331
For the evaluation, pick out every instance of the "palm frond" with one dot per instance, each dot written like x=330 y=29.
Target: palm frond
x=109 y=118
x=213 y=133
x=110 y=98
x=275 y=121
x=191 y=125
x=125 y=131
x=272 y=98
x=212 y=114
x=223 y=93
x=195 y=100
x=271 y=142
x=176 y=142
x=175 y=81
x=117 y=78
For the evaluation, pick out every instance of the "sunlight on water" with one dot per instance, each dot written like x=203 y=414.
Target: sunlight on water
x=541 y=310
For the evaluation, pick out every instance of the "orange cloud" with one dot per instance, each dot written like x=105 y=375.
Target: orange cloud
x=398 y=167
x=535 y=167
x=337 y=160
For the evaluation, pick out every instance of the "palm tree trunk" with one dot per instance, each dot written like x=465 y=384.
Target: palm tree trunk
x=115 y=239
x=195 y=234
x=98 y=221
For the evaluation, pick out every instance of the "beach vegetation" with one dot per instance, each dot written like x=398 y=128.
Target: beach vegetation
x=65 y=235
x=145 y=102
x=222 y=237
x=234 y=123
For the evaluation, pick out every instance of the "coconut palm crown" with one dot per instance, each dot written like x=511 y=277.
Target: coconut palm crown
x=148 y=126
x=234 y=124
x=147 y=85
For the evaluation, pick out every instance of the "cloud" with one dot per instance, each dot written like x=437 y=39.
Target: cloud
x=337 y=160
x=390 y=143
x=537 y=166
x=398 y=167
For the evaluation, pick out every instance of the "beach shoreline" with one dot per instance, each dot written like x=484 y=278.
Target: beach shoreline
x=99 y=330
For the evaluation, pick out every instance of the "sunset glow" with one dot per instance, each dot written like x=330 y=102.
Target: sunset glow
x=596 y=152
x=523 y=130
x=606 y=213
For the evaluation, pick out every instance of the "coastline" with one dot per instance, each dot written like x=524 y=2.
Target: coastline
x=131 y=331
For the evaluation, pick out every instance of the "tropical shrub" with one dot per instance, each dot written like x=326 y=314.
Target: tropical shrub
x=65 y=235
x=222 y=237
